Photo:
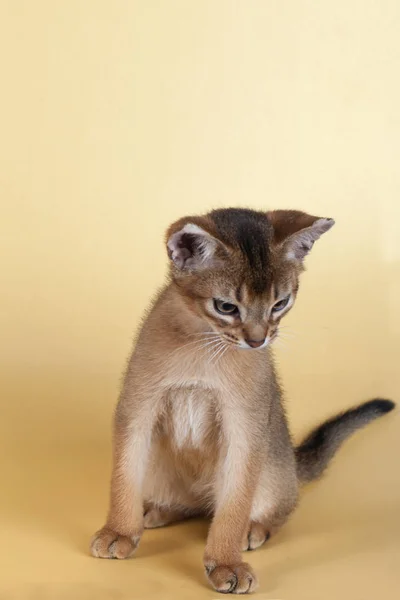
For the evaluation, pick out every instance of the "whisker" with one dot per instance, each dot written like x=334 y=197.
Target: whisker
x=212 y=347
x=213 y=343
x=219 y=343
x=286 y=331
x=192 y=343
x=304 y=324
x=218 y=352
x=285 y=336
x=205 y=333
x=218 y=348
x=222 y=353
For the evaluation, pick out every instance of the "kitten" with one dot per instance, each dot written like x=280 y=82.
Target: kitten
x=200 y=428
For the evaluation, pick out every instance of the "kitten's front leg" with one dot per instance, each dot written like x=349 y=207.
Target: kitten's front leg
x=134 y=420
x=238 y=471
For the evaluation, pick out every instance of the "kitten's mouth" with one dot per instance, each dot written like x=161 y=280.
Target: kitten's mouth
x=266 y=343
x=243 y=345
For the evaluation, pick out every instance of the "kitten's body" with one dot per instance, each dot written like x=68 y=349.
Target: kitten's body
x=200 y=428
x=196 y=391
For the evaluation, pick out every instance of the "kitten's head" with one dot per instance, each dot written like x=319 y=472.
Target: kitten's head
x=238 y=269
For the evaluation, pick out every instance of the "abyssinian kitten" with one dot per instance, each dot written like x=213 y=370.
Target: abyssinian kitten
x=199 y=427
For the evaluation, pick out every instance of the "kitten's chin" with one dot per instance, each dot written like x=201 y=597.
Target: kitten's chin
x=244 y=346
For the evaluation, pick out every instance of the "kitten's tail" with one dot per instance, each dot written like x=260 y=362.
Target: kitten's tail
x=315 y=452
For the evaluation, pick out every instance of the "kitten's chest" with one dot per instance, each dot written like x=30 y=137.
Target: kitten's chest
x=191 y=416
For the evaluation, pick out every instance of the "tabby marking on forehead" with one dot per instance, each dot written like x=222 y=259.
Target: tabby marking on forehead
x=251 y=233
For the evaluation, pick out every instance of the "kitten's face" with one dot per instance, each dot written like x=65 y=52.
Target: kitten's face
x=238 y=269
x=244 y=318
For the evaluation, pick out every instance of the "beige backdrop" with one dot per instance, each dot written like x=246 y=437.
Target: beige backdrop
x=117 y=118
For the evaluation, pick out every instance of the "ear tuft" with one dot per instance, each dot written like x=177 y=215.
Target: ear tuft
x=191 y=248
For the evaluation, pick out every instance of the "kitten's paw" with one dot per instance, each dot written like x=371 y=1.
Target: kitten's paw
x=232 y=579
x=257 y=535
x=106 y=543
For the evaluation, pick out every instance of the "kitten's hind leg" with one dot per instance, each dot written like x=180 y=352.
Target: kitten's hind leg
x=273 y=503
x=259 y=533
x=156 y=516
x=256 y=536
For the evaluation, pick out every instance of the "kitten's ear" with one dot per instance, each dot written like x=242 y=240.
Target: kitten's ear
x=190 y=247
x=296 y=231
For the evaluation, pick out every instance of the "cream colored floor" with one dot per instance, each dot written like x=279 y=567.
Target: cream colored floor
x=343 y=542
x=116 y=118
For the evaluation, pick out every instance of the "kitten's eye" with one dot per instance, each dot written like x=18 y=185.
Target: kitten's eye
x=281 y=304
x=225 y=308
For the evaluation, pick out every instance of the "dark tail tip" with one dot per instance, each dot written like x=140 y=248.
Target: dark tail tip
x=315 y=452
x=380 y=405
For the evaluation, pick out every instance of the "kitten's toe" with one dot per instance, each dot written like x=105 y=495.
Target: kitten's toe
x=232 y=579
x=257 y=535
x=106 y=543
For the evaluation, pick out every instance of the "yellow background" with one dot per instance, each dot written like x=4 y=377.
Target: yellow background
x=116 y=118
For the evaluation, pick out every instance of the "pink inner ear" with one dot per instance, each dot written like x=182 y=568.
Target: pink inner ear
x=298 y=246
x=178 y=251
x=191 y=247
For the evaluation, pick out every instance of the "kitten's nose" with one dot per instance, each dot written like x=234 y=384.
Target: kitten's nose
x=255 y=343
